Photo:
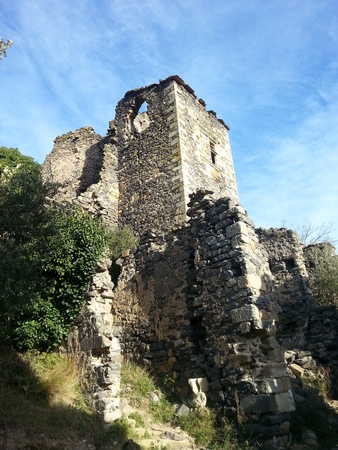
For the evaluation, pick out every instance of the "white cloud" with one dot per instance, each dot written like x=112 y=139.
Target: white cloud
x=268 y=69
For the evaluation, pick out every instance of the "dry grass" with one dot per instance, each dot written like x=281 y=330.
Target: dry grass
x=40 y=397
x=320 y=381
x=59 y=381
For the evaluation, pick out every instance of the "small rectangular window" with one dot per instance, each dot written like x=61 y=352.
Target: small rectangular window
x=212 y=153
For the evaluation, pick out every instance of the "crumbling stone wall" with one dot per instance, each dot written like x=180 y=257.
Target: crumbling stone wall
x=83 y=165
x=195 y=304
x=291 y=285
x=206 y=302
x=309 y=333
x=167 y=152
x=94 y=341
x=147 y=160
x=75 y=161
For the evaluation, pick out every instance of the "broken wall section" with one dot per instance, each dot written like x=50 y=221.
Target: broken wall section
x=83 y=165
x=196 y=304
x=94 y=342
x=148 y=160
x=309 y=333
x=291 y=285
x=168 y=145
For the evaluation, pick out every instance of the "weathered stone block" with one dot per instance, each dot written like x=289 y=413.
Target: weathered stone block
x=245 y=314
x=161 y=270
x=211 y=240
x=296 y=370
x=244 y=327
x=285 y=402
x=258 y=404
x=236 y=228
x=270 y=343
x=199 y=385
x=276 y=370
x=216 y=396
x=199 y=400
x=270 y=386
x=249 y=280
x=111 y=416
x=240 y=360
x=239 y=239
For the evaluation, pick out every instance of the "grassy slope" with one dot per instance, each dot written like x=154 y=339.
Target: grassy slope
x=42 y=406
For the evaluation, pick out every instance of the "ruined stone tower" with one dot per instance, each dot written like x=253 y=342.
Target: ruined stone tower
x=197 y=300
x=162 y=145
x=166 y=152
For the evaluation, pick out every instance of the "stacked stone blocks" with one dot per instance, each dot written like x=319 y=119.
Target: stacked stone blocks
x=205 y=298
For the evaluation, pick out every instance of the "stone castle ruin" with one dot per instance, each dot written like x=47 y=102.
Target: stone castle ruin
x=223 y=309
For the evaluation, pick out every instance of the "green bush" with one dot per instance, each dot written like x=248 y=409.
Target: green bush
x=325 y=280
x=11 y=159
x=47 y=256
x=121 y=239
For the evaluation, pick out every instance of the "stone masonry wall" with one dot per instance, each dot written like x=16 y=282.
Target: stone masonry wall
x=200 y=297
x=94 y=341
x=204 y=148
x=195 y=304
x=148 y=162
x=167 y=152
x=309 y=333
x=291 y=284
x=75 y=161
x=83 y=165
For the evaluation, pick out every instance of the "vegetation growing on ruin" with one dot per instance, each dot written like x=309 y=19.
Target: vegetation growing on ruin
x=39 y=392
x=47 y=255
x=325 y=274
x=121 y=239
x=203 y=424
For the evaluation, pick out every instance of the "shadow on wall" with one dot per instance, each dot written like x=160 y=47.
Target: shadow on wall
x=92 y=166
x=308 y=333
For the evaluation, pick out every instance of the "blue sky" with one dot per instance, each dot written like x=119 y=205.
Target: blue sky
x=269 y=68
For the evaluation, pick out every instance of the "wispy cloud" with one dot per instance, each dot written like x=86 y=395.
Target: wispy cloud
x=268 y=69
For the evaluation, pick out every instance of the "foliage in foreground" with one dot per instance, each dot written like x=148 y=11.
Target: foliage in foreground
x=39 y=392
x=4 y=45
x=47 y=255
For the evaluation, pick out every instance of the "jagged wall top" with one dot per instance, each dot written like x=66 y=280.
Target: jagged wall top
x=143 y=171
x=166 y=152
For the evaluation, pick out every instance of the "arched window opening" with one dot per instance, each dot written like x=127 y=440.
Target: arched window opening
x=141 y=119
x=143 y=108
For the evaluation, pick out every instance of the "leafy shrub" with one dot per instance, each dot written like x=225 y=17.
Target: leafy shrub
x=121 y=239
x=47 y=255
x=325 y=279
x=11 y=159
